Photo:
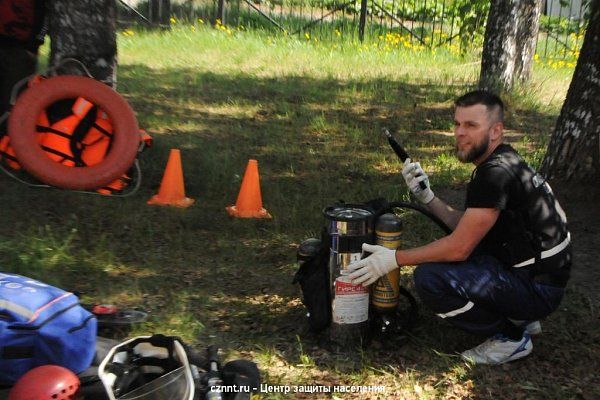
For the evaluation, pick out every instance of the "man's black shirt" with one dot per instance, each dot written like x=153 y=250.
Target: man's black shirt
x=530 y=220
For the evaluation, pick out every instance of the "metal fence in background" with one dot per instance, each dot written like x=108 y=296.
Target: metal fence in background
x=456 y=24
x=152 y=13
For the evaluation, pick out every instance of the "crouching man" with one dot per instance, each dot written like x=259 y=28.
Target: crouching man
x=507 y=261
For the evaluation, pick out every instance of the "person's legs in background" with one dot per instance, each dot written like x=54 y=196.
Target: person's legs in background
x=16 y=63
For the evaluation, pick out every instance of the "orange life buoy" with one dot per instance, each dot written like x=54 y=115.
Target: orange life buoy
x=35 y=160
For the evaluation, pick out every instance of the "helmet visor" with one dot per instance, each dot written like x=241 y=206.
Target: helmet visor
x=171 y=386
x=143 y=356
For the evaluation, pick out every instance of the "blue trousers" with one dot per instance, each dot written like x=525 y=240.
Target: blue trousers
x=480 y=294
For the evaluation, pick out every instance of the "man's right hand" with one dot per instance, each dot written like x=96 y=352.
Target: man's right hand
x=413 y=175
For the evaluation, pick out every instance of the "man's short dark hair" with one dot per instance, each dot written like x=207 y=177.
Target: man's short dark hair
x=488 y=99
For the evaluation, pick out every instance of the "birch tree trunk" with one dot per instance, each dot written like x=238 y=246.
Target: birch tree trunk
x=509 y=45
x=526 y=39
x=499 y=47
x=574 y=149
x=84 y=30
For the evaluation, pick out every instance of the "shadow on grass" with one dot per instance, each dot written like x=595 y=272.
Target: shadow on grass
x=209 y=278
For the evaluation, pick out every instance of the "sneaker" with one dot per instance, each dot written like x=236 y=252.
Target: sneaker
x=534 y=328
x=499 y=349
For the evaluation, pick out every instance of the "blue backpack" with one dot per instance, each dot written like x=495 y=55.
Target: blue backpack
x=40 y=325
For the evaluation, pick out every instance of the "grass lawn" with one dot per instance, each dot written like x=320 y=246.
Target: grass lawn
x=311 y=114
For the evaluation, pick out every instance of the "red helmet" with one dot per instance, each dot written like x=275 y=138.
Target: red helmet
x=50 y=382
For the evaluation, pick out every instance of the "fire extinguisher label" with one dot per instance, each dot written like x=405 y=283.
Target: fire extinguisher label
x=385 y=291
x=351 y=302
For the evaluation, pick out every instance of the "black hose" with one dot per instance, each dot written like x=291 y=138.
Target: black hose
x=416 y=207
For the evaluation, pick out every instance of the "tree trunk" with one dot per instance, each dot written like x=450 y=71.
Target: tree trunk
x=84 y=30
x=499 y=48
x=526 y=39
x=574 y=149
x=160 y=13
x=509 y=45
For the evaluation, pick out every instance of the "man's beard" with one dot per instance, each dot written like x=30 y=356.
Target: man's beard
x=474 y=152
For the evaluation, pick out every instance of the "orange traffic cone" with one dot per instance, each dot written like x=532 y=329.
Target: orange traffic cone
x=172 y=191
x=249 y=201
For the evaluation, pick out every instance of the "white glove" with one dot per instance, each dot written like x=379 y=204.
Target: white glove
x=368 y=270
x=413 y=176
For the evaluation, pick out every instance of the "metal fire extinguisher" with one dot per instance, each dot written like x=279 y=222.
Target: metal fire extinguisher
x=349 y=226
x=385 y=296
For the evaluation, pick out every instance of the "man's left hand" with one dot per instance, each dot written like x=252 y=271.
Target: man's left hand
x=368 y=270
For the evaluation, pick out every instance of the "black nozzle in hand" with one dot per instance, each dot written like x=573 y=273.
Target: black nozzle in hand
x=399 y=150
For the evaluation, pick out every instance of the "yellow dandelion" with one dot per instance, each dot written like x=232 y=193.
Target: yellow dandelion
x=173 y=20
x=338 y=33
x=200 y=20
x=307 y=35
